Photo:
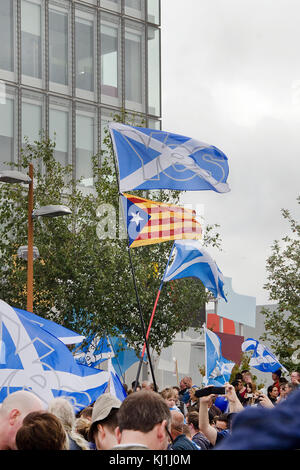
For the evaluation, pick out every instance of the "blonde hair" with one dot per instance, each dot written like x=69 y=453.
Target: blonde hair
x=63 y=409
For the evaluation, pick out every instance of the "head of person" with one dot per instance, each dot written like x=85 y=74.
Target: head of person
x=238 y=384
x=63 y=409
x=221 y=422
x=295 y=377
x=192 y=391
x=146 y=385
x=14 y=408
x=41 y=430
x=247 y=377
x=136 y=386
x=104 y=422
x=177 y=422
x=169 y=396
x=192 y=419
x=144 y=418
x=276 y=375
x=272 y=392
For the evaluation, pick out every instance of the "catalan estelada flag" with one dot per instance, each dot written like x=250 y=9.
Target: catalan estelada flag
x=150 y=222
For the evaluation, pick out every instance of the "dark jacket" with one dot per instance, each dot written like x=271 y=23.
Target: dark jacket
x=182 y=443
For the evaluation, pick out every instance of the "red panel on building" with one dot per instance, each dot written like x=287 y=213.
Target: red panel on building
x=228 y=326
x=231 y=346
x=213 y=322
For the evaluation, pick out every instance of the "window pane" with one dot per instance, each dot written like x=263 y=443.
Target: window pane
x=134 y=68
x=114 y=5
x=84 y=47
x=85 y=138
x=7 y=119
x=135 y=8
x=153 y=71
x=31 y=39
x=59 y=132
x=58 y=47
x=7 y=35
x=153 y=11
x=32 y=119
x=110 y=57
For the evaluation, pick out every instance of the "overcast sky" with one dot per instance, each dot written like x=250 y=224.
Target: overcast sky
x=231 y=78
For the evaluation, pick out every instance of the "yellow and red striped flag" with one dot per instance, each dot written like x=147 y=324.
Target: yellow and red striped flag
x=150 y=222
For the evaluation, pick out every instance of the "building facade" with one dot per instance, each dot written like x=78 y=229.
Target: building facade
x=67 y=67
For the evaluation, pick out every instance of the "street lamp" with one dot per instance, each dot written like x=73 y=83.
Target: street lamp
x=12 y=176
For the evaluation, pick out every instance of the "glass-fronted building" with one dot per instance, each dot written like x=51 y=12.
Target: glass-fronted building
x=67 y=66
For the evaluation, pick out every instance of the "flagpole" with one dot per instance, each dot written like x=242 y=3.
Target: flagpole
x=135 y=286
x=152 y=316
x=116 y=356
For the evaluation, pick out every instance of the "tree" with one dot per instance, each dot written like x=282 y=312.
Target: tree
x=282 y=325
x=83 y=277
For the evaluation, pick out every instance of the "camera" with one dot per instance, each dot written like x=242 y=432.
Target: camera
x=203 y=392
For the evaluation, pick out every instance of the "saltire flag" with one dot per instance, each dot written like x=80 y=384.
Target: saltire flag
x=217 y=368
x=60 y=332
x=192 y=260
x=93 y=351
x=262 y=358
x=115 y=385
x=155 y=159
x=150 y=222
x=35 y=360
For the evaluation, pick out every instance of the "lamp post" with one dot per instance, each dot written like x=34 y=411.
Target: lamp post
x=11 y=176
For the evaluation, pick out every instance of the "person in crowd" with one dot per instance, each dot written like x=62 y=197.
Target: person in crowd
x=185 y=384
x=169 y=396
x=295 y=377
x=82 y=426
x=12 y=413
x=283 y=392
x=136 y=386
x=221 y=422
x=144 y=420
x=240 y=388
x=213 y=435
x=247 y=377
x=63 y=409
x=276 y=379
x=104 y=422
x=86 y=412
x=178 y=403
x=198 y=437
x=193 y=403
x=273 y=393
x=146 y=385
x=187 y=432
x=180 y=440
x=275 y=428
x=41 y=430
x=250 y=395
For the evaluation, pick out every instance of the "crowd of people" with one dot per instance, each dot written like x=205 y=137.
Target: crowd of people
x=175 y=418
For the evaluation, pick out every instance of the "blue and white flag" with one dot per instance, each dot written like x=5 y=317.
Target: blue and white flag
x=115 y=385
x=154 y=159
x=217 y=368
x=98 y=349
x=60 y=332
x=262 y=359
x=93 y=351
x=35 y=360
x=192 y=260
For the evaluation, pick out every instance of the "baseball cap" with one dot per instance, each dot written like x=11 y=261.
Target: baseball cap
x=101 y=409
